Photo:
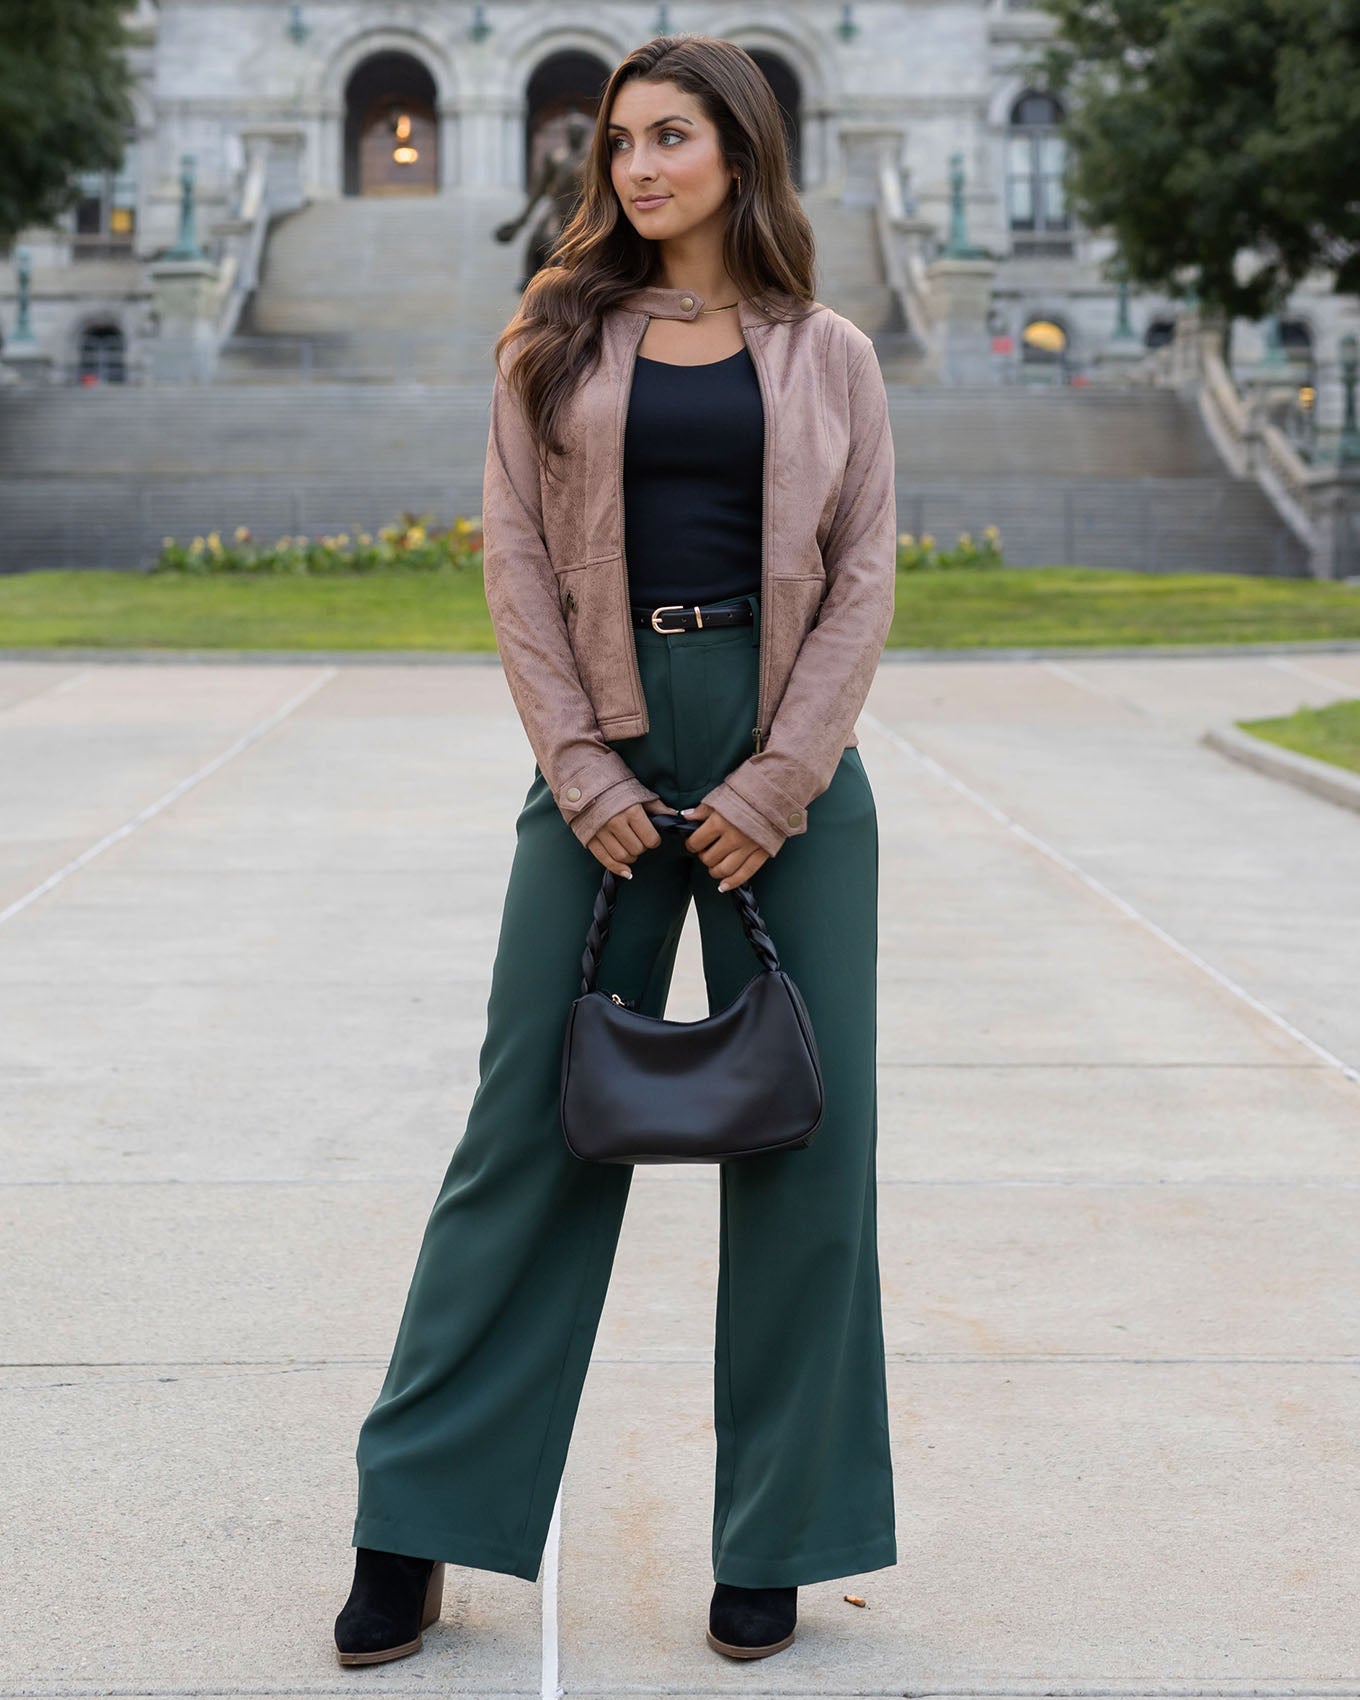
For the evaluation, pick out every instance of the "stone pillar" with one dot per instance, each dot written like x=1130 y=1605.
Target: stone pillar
x=186 y=305
x=960 y=302
x=1336 y=519
x=26 y=363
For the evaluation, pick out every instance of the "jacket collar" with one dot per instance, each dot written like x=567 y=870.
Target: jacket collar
x=663 y=303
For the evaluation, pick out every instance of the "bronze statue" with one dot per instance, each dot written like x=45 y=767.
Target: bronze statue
x=559 y=182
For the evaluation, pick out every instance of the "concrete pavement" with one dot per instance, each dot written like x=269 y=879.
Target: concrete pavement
x=247 y=916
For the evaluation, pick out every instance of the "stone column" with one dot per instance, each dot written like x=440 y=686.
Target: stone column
x=1336 y=519
x=960 y=302
x=186 y=306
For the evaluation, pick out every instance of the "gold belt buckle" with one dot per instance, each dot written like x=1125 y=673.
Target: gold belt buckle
x=666 y=608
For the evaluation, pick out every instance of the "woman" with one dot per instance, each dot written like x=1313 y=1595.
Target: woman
x=690 y=535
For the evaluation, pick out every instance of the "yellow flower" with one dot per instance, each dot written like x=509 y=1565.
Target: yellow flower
x=343 y=537
x=416 y=534
x=242 y=533
x=197 y=543
x=927 y=542
x=365 y=539
x=991 y=531
x=965 y=537
x=166 y=542
x=905 y=539
x=462 y=525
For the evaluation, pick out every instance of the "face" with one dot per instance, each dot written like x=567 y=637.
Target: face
x=661 y=145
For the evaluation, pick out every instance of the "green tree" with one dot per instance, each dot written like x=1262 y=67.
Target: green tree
x=65 y=105
x=1217 y=141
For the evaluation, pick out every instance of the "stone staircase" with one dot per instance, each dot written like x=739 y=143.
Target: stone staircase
x=390 y=308
x=97 y=477
x=850 y=279
x=390 y=291
x=381 y=291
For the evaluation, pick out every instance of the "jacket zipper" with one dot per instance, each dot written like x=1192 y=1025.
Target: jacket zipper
x=621 y=425
x=758 y=731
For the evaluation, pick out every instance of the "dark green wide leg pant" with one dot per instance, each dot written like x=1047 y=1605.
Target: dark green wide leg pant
x=461 y=1456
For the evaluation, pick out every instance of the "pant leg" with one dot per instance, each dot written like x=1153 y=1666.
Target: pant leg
x=462 y=1453
x=803 y=1485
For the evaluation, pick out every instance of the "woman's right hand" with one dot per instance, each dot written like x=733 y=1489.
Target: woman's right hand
x=624 y=836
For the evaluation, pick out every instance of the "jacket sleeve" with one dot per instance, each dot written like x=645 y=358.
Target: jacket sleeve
x=589 y=781
x=768 y=794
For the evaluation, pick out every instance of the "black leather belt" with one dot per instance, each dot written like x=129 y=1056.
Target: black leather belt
x=691 y=617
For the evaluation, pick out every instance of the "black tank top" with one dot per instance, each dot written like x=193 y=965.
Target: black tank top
x=693 y=462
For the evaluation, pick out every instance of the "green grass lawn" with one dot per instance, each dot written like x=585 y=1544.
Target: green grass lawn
x=418 y=610
x=1327 y=734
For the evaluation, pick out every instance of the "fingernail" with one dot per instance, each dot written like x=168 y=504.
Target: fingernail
x=722 y=885
x=627 y=873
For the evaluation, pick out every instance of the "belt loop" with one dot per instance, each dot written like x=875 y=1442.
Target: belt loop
x=754 y=602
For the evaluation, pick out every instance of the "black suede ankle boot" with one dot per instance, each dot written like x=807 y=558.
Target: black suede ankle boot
x=393 y=1599
x=751 y=1623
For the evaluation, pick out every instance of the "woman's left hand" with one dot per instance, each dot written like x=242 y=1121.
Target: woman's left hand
x=725 y=850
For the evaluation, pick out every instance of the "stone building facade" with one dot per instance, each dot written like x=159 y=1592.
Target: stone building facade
x=941 y=86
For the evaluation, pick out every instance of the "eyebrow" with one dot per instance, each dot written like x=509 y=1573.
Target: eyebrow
x=658 y=122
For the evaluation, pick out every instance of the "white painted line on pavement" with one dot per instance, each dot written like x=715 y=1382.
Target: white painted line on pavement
x=52 y=690
x=1075 y=678
x=1126 y=908
x=551 y=1688
x=244 y=742
x=1336 y=685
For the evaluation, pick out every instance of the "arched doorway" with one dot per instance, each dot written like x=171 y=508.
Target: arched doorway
x=102 y=357
x=1044 y=352
x=572 y=78
x=391 y=128
x=779 y=74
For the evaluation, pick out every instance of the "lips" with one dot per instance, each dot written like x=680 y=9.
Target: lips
x=643 y=202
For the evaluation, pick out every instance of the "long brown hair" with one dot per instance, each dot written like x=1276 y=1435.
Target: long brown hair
x=768 y=248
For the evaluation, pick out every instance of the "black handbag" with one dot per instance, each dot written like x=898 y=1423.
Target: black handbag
x=637 y=1088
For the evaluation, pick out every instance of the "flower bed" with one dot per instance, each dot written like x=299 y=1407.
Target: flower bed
x=412 y=544
x=924 y=554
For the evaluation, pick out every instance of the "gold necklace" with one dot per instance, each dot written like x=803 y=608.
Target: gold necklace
x=722 y=309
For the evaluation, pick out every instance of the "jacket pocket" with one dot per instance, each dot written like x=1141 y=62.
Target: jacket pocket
x=595 y=605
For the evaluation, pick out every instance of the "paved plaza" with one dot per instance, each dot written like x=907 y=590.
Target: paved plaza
x=247 y=921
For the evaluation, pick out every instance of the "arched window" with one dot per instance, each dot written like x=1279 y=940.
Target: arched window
x=106 y=213
x=101 y=358
x=1036 y=206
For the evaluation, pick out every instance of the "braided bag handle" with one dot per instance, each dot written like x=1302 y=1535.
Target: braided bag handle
x=598 y=932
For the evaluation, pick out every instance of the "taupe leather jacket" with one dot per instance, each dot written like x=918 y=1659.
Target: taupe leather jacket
x=557 y=583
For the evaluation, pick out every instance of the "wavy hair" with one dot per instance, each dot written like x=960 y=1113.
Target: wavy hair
x=768 y=249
